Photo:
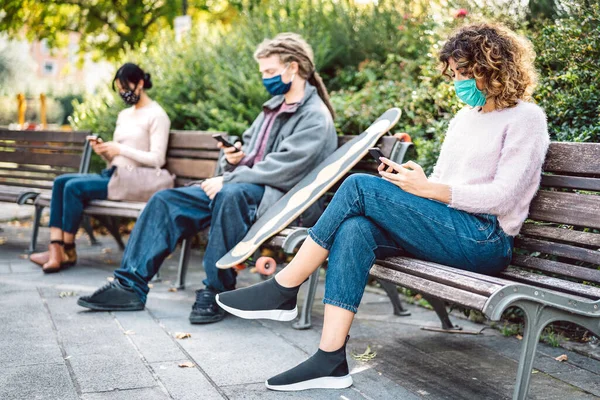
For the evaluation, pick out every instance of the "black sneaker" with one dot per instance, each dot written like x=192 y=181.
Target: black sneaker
x=324 y=370
x=205 y=310
x=112 y=297
x=265 y=300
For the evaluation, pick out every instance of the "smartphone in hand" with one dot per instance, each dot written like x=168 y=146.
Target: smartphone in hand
x=219 y=138
x=376 y=153
x=93 y=138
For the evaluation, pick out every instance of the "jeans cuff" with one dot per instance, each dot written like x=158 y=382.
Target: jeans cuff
x=340 y=305
x=317 y=240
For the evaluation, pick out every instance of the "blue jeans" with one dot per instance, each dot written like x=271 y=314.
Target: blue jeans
x=179 y=213
x=70 y=194
x=371 y=218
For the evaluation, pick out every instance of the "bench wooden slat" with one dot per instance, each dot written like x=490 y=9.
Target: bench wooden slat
x=129 y=205
x=430 y=271
x=556 y=267
x=193 y=139
x=184 y=153
x=33 y=185
x=197 y=169
x=566 y=208
x=28 y=158
x=45 y=136
x=565 y=235
x=47 y=171
x=63 y=148
x=435 y=289
x=578 y=158
x=558 y=249
x=549 y=282
x=111 y=212
x=27 y=177
x=571 y=182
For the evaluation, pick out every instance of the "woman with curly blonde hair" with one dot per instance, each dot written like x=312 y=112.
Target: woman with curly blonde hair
x=464 y=215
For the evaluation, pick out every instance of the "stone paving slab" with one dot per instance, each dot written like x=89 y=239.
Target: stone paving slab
x=53 y=349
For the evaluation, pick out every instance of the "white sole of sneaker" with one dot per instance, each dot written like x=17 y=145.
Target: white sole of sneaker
x=328 y=382
x=276 y=315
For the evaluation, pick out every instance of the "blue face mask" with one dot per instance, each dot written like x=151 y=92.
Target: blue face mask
x=276 y=86
x=467 y=91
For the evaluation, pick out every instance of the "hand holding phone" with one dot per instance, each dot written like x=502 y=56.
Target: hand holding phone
x=94 y=138
x=219 y=138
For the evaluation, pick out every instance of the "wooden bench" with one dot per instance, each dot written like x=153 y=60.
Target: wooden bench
x=554 y=274
x=31 y=160
x=191 y=155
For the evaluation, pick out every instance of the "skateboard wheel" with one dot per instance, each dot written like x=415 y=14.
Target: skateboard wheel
x=266 y=266
x=403 y=137
x=240 y=267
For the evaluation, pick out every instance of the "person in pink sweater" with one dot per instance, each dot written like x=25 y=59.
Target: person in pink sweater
x=464 y=215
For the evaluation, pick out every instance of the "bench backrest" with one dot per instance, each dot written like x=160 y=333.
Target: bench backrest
x=35 y=158
x=192 y=155
x=562 y=235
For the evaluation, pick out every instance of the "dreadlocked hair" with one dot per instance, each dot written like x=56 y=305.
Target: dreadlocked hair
x=292 y=47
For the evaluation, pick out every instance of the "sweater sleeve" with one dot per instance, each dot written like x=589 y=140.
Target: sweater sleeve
x=294 y=158
x=519 y=167
x=159 y=140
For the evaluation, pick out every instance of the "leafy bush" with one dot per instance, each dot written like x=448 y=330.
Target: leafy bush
x=569 y=91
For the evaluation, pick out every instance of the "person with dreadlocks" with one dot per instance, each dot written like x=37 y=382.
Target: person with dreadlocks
x=288 y=139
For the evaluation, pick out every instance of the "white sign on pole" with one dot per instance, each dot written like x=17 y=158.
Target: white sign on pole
x=182 y=24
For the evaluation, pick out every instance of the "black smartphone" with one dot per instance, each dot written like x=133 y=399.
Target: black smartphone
x=376 y=153
x=219 y=138
x=94 y=138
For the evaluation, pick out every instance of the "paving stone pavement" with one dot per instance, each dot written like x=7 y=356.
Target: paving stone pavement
x=50 y=348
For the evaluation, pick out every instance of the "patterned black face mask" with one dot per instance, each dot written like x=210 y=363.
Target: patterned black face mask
x=130 y=97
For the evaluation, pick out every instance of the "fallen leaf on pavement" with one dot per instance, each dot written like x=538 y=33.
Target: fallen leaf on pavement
x=110 y=278
x=187 y=364
x=130 y=332
x=150 y=285
x=172 y=289
x=23 y=256
x=182 y=335
x=562 y=358
x=106 y=250
x=66 y=294
x=519 y=337
x=3 y=240
x=366 y=356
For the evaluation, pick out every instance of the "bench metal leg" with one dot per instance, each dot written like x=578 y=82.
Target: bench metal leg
x=113 y=228
x=304 y=322
x=392 y=292
x=37 y=216
x=87 y=226
x=440 y=309
x=537 y=317
x=184 y=260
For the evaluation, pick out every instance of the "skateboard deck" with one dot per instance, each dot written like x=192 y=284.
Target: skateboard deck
x=309 y=190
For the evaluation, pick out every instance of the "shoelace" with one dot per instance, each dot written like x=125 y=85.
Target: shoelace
x=205 y=298
x=104 y=288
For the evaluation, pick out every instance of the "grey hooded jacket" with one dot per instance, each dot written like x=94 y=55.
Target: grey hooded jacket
x=300 y=139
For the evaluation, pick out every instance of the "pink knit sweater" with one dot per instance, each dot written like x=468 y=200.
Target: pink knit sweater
x=493 y=161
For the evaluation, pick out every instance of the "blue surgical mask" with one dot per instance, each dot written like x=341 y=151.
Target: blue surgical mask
x=276 y=86
x=467 y=91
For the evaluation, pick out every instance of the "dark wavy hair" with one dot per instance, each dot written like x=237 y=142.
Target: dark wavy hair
x=130 y=72
x=494 y=54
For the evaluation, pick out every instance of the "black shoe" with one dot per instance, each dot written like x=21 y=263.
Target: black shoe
x=324 y=370
x=205 y=310
x=112 y=297
x=265 y=300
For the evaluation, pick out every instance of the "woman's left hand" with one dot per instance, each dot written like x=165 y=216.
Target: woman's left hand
x=109 y=149
x=409 y=176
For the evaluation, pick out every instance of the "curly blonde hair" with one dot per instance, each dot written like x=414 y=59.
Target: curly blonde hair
x=501 y=59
